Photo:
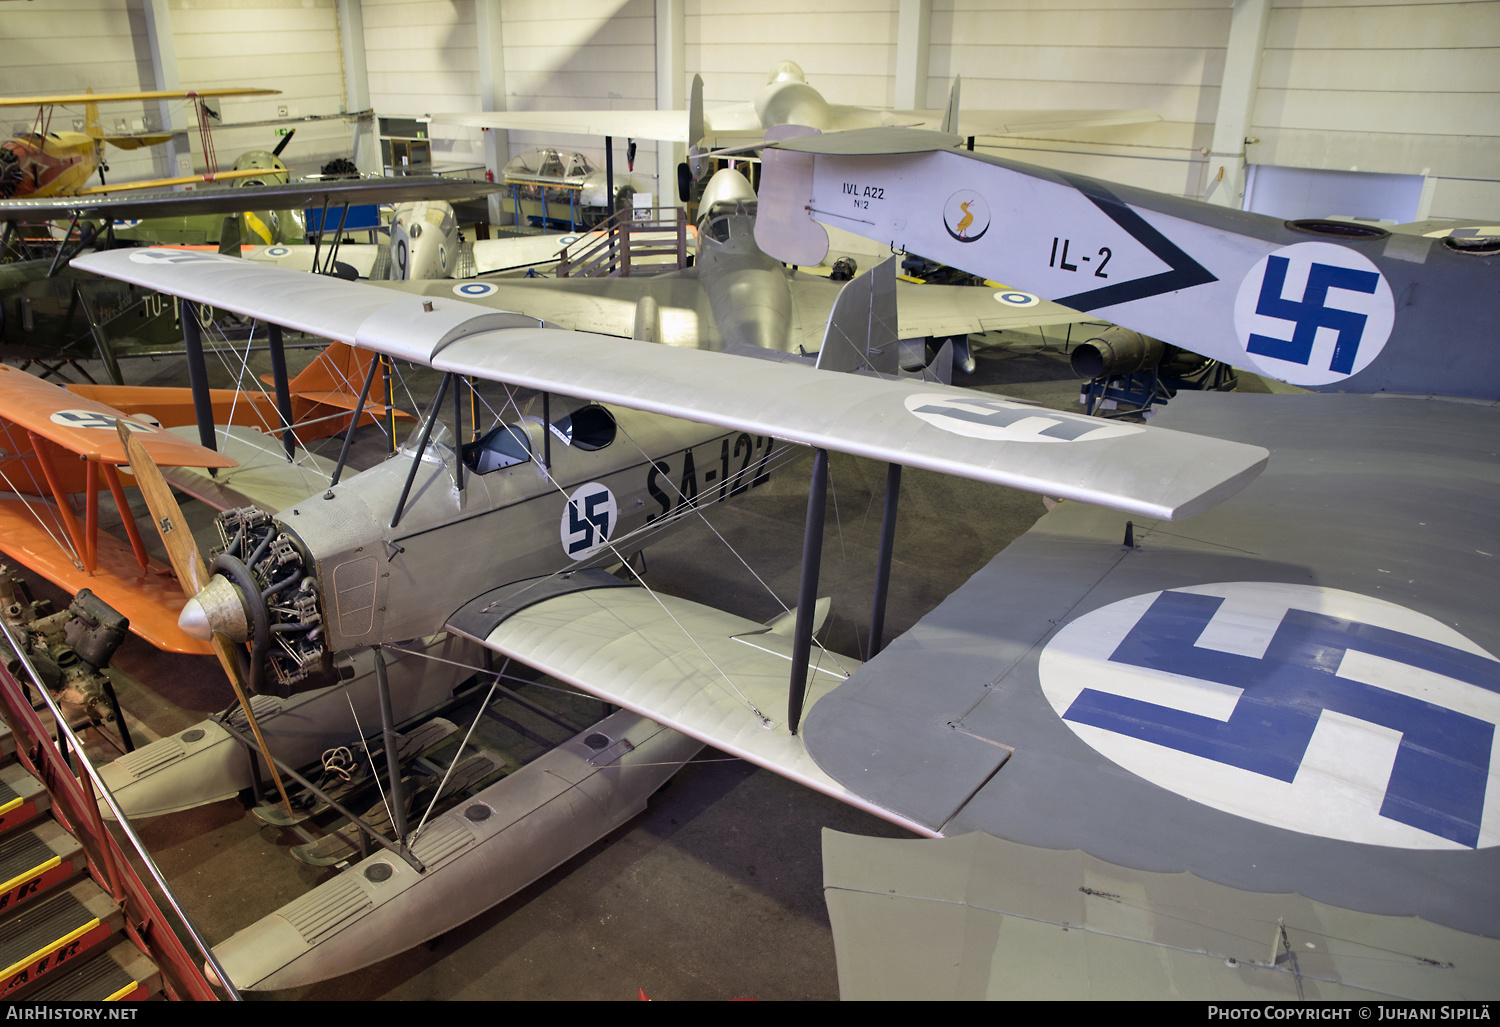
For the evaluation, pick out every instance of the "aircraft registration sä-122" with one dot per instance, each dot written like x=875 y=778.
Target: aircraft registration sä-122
x=1251 y=754
x=504 y=541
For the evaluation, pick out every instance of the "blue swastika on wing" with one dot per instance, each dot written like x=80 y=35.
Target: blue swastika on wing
x=1310 y=314
x=1060 y=428
x=1437 y=782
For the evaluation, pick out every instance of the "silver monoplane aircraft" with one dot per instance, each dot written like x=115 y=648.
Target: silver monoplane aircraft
x=504 y=541
x=785 y=99
x=737 y=299
x=1253 y=754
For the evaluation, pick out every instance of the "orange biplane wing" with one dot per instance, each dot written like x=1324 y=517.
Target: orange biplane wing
x=56 y=444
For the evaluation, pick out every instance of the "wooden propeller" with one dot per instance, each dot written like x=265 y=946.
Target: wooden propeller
x=192 y=573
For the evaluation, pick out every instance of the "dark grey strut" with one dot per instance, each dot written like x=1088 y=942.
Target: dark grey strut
x=807 y=595
x=359 y=409
x=416 y=458
x=203 y=409
x=883 y=563
x=283 y=388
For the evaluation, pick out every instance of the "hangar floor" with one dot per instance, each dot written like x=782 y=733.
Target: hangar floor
x=715 y=892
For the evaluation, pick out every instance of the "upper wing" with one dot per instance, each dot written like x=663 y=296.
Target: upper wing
x=952 y=431
x=1020 y=122
x=670 y=126
x=233 y=199
x=87 y=427
x=160 y=94
x=1293 y=692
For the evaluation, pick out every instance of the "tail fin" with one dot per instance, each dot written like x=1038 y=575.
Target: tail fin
x=861 y=329
x=862 y=334
x=91 y=119
x=695 y=127
x=950 y=116
x=339 y=368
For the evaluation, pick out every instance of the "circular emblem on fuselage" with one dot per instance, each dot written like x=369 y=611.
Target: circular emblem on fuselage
x=277 y=251
x=1016 y=298
x=966 y=215
x=1000 y=420
x=1308 y=708
x=475 y=290
x=588 y=520
x=1313 y=313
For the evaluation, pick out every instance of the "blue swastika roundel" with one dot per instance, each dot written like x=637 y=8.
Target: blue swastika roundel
x=1308 y=708
x=1000 y=420
x=588 y=520
x=1313 y=313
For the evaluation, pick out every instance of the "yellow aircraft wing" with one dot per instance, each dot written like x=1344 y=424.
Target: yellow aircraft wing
x=159 y=94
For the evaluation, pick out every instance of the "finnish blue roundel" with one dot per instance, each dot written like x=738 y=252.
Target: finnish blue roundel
x=475 y=290
x=588 y=520
x=1313 y=313
x=1307 y=708
x=1016 y=298
x=277 y=251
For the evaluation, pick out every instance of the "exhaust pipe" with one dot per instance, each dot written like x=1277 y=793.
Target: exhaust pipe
x=1115 y=351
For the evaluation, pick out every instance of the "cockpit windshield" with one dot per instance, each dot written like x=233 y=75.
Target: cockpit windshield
x=503 y=446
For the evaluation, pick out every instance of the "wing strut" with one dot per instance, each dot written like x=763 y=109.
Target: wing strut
x=284 y=390
x=359 y=409
x=807 y=594
x=416 y=458
x=883 y=564
x=203 y=409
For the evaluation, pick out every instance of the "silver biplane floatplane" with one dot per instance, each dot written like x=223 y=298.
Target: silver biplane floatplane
x=505 y=542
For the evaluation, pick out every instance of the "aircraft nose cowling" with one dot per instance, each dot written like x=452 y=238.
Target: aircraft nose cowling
x=217 y=609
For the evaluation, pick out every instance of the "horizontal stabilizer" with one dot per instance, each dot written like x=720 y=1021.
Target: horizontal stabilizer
x=953 y=431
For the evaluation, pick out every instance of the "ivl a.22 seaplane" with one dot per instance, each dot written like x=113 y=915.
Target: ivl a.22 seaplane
x=506 y=540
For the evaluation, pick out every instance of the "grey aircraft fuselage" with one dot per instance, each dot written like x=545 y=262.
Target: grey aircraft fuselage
x=508 y=523
x=735 y=298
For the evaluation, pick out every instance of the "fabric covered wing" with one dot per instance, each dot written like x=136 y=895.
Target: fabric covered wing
x=1135 y=468
x=706 y=673
x=226 y=199
x=670 y=126
x=939 y=310
x=87 y=427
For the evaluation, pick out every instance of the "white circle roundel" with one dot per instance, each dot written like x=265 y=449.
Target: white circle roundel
x=1313 y=313
x=1308 y=708
x=588 y=520
x=999 y=420
x=1016 y=298
x=474 y=290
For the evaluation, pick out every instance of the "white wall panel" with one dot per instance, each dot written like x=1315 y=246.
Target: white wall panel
x=69 y=46
x=1408 y=87
x=291 y=45
x=1402 y=86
